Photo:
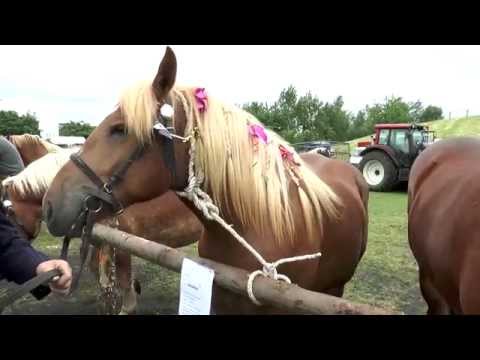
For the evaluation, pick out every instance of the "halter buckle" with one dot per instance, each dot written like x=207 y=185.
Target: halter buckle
x=94 y=210
x=107 y=188
x=120 y=212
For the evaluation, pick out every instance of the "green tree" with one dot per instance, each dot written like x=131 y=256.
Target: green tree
x=431 y=113
x=416 y=111
x=73 y=128
x=394 y=110
x=358 y=126
x=304 y=118
x=11 y=123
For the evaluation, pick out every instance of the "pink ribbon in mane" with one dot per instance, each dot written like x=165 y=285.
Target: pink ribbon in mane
x=201 y=98
x=287 y=154
x=258 y=132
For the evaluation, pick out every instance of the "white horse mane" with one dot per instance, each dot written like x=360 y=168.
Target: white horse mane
x=38 y=175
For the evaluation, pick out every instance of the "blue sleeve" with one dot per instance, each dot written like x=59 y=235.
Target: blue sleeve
x=18 y=259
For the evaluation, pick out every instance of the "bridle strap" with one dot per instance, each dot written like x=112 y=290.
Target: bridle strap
x=86 y=220
x=77 y=160
x=104 y=189
x=120 y=173
x=85 y=248
x=168 y=150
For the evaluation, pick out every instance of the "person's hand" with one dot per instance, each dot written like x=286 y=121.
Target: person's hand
x=60 y=284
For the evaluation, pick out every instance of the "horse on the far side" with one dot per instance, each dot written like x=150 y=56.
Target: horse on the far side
x=444 y=225
x=32 y=147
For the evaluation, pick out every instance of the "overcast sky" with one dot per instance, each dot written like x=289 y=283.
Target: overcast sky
x=63 y=83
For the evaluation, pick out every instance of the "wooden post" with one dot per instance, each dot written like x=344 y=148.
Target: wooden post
x=287 y=296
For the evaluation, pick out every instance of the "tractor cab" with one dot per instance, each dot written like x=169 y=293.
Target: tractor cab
x=406 y=140
x=388 y=157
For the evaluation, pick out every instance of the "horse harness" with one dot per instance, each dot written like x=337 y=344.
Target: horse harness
x=104 y=192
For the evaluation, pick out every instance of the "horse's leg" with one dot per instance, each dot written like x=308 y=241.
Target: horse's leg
x=94 y=261
x=123 y=262
x=469 y=291
x=436 y=303
x=103 y=275
x=108 y=282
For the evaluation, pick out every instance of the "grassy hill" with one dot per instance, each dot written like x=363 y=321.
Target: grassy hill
x=447 y=128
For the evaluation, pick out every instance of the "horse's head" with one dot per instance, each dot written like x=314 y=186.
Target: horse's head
x=25 y=213
x=130 y=157
x=31 y=147
x=22 y=194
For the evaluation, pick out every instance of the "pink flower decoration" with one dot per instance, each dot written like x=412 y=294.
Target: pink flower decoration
x=287 y=154
x=201 y=97
x=258 y=132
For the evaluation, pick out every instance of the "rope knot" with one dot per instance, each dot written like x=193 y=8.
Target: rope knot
x=270 y=270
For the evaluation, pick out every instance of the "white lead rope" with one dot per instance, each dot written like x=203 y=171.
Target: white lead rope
x=204 y=203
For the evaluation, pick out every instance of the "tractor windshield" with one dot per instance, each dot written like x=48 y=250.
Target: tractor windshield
x=418 y=137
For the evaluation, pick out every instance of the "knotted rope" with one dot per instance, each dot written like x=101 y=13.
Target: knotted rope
x=204 y=203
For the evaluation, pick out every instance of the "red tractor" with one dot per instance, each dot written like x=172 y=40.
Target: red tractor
x=386 y=161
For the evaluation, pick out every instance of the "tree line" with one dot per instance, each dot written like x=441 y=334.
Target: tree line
x=306 y=118
x=296 y=118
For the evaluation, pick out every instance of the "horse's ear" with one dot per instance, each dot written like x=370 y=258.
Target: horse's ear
x=167 y=72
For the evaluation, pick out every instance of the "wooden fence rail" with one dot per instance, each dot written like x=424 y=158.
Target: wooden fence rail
x=278 y=293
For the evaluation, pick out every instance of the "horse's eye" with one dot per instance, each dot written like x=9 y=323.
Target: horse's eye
x=117 y=130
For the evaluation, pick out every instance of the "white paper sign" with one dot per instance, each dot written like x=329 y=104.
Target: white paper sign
x=195 y=289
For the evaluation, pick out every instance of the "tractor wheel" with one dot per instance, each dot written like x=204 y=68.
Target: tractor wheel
x=379 y=171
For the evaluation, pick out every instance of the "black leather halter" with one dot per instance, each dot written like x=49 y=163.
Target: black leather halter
x=105 y=189
x=104 y=193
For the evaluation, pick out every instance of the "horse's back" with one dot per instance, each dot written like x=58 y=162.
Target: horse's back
x=443 y=208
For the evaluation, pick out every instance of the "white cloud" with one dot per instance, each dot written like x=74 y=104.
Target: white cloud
x=62 y=83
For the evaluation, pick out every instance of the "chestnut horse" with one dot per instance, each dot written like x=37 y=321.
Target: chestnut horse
x=282 y=204
x=443 y=226
x=171 y=223
x=32 y=147
x=25 y=191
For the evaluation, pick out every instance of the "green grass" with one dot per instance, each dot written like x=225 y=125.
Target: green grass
x=387 y=276
x=456 y=127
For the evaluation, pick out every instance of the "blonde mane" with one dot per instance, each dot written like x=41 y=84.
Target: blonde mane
x=254 y=184
x=28 y=139
x=35 y=179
